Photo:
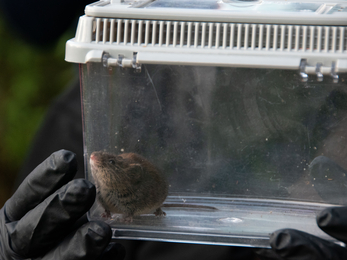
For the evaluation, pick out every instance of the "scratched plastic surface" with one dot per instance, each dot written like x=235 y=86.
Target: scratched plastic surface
x=266 y=150
x=234 y=221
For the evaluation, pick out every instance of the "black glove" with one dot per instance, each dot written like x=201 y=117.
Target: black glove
x=290 y=244
x=42 y=220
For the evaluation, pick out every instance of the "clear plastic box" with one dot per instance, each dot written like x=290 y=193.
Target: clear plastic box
x=241 y=105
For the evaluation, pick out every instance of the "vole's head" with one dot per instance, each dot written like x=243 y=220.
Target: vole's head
x=119 y=168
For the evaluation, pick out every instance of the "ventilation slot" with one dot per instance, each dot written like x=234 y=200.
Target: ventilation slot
x=232 y=36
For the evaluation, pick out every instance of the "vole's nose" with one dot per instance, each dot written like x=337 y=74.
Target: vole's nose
x=93 y=158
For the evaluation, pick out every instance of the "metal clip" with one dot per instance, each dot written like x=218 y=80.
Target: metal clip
x=318 y=72
x=333 y=73
x=104 y=59
x=136 y=65
x=108 y=61
x=303 y=75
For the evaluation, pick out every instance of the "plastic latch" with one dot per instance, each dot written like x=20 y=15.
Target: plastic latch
x=121 y=61
x=319 y=70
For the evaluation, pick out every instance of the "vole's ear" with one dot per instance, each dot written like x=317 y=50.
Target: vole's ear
x=135 y=170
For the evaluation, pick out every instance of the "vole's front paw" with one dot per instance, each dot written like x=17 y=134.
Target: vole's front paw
x=159 y=213
x=126 y=219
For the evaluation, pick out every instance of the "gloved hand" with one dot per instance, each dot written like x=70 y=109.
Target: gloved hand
x=290 y=244
x=42 y=220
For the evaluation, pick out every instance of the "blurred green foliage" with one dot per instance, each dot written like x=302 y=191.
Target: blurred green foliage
x=29 y=80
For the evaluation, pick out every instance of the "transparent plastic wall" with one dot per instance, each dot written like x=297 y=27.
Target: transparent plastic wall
x=247 y=151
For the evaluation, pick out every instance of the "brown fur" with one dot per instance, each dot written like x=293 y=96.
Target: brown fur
x=128 y=184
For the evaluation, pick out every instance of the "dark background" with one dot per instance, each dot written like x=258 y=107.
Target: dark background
x=31 y=77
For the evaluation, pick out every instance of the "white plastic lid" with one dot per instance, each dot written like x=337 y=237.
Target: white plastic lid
x=248 y=11
x=310 y=36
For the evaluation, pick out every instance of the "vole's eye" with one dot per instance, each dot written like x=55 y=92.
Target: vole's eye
x=112 y=162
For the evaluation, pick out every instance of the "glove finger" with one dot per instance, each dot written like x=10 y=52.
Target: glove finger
x=333 y=221
x=114 y=251
x=46 y=178
x=80 y=222
x=298 y=245
x=51 y=220
x=87 y=242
